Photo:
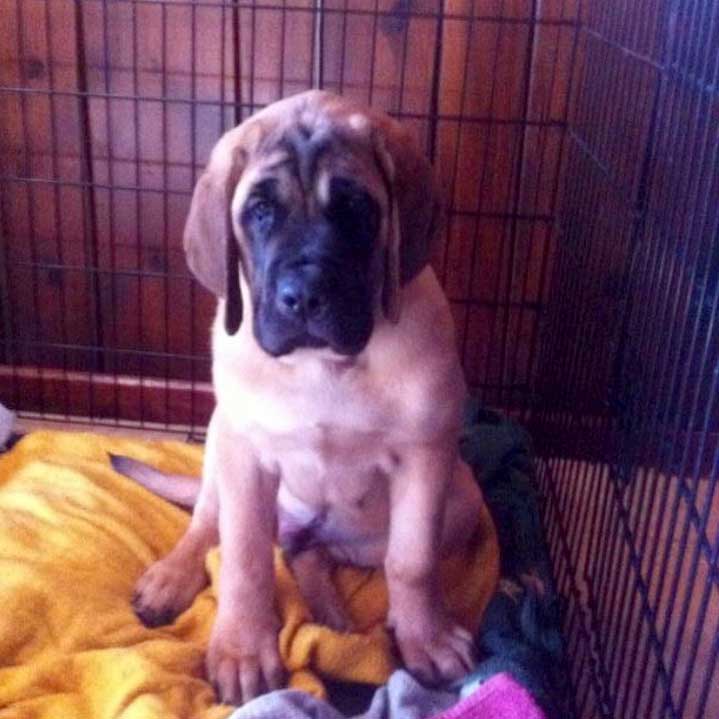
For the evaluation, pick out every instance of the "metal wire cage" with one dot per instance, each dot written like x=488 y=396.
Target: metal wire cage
x=577 y=143
x=629 y=413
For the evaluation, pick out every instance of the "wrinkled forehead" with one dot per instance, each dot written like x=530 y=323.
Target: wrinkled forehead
x=302 y=162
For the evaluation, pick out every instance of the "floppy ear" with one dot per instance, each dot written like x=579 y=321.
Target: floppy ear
x=415 y=209
x=211 y=247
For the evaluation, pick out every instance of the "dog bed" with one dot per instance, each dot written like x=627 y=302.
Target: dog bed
x=74 y=538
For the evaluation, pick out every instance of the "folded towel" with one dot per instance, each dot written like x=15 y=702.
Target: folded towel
x=74 y=538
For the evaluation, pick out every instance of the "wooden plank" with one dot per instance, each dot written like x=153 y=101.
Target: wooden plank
x=499 y=262
x=559 y=10
x=276 y=44
x=99 y=396
x=41 y=141
x=385 y=58
x=156 y=141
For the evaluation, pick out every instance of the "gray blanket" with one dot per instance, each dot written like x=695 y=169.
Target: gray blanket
x=401 y=698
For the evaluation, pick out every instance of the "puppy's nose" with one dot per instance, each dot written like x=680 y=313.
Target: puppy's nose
x=289 y=296
x=299 y=298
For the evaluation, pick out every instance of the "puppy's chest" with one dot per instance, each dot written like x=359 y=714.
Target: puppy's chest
x=338 y=477
x=323 y=412
x=338 y=445
x=331 y=441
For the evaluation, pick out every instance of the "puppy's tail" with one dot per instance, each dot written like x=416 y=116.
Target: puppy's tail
x=176 y=488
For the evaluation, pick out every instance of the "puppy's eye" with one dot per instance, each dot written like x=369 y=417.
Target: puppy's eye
x=354 y=211
x=350 y=204
x=262 y=211
x=348 y=201
x=261 y=215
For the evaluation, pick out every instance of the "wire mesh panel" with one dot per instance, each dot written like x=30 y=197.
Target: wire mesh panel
x=108 y=112
x=629 y=411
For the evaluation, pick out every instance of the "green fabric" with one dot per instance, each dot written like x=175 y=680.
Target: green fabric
x=501 y=456
x=520 y=633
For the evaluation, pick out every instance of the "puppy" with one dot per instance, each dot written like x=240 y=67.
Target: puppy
x=338 y=390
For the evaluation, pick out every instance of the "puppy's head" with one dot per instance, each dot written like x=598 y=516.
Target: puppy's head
x=326 y=209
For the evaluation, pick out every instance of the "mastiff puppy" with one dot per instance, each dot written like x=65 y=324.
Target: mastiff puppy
x=338 y=390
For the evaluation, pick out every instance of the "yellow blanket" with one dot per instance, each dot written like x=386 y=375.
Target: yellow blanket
x=74 y=538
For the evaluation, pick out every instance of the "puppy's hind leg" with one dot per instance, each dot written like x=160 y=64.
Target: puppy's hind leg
x=312 y=569
x=171 y=584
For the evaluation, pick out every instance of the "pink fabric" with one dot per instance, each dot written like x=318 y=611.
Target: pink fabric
x=498 y=698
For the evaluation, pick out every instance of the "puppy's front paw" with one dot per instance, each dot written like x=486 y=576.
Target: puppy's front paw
x=165 y=590
x=436 y=654
x=244 y=662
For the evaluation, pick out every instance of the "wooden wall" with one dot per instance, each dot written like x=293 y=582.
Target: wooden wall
x=108 y=110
